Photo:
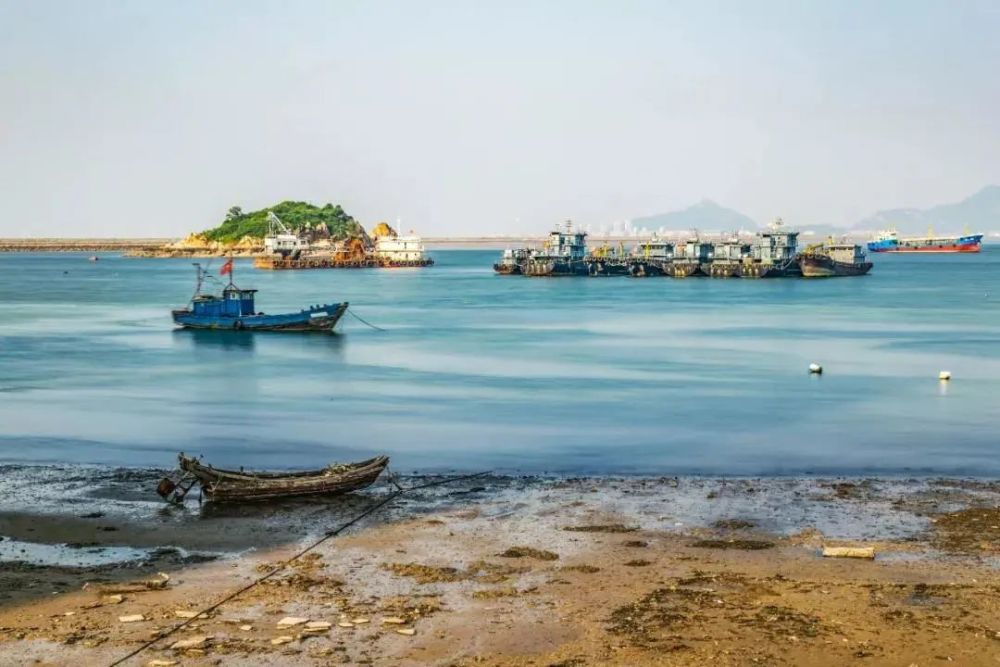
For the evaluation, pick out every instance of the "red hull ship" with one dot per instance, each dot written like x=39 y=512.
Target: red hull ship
x=890 y=242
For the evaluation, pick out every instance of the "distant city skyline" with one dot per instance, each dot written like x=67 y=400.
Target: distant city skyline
x=152 y=119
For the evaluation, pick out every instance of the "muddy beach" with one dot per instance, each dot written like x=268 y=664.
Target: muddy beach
x=512 y=571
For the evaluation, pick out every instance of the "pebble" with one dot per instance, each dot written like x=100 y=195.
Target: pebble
x=161 y=663
x=246 y=628
x=133 y=618
x=191 y=642
x=284 y=639
x=183 y=613
x=393 y=620
x=291 y=621
x=346 y=624
x=113 y=599
x=409 y=632
x=318 y=625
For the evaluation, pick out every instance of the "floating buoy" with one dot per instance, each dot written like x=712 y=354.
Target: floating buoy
x=944 y=375
x=815 y=369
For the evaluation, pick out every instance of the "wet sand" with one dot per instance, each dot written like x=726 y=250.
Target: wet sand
x=542 y=572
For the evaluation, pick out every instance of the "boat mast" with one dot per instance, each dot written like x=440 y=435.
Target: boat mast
x=201 y=278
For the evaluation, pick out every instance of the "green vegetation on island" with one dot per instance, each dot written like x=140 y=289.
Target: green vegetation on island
x=327 y=220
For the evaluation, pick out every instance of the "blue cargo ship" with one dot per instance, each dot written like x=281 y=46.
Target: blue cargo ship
x=235 y=311
x=889 y=241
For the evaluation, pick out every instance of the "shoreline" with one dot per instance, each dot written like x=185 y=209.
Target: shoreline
x=538 y=571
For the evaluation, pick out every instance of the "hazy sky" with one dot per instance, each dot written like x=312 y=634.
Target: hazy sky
x=152 y=118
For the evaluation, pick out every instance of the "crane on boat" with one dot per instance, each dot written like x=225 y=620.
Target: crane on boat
x=280 y=240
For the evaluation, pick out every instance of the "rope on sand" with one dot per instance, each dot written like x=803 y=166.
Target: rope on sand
x=326 y=536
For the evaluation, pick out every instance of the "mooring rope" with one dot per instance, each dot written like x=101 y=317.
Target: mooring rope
x=363 y=321
x=282 y=566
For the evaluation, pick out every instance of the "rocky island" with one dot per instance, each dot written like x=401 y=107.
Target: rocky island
x=242 y=234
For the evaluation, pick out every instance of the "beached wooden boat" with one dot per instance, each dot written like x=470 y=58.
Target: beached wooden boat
x=220 y=484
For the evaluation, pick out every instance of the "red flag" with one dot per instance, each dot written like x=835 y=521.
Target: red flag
x=227 y=267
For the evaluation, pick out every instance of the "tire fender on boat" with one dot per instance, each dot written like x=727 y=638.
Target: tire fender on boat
x=238 y=324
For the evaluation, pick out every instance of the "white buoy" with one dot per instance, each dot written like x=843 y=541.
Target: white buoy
x=816 y=369
x=944 y=375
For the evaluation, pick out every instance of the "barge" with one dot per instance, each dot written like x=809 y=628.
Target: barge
x=829 y=260
x=772 y=253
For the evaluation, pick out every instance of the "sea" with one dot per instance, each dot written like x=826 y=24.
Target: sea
x=465 y=370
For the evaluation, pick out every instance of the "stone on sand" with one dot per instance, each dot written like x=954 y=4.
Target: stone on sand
x=190 y=642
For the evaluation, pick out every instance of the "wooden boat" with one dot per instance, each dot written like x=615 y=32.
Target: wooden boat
x=220 y=484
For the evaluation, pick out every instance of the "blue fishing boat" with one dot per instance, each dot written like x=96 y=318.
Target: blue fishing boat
x=235 y=310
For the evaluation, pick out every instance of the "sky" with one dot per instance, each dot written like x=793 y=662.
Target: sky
x=469 y=118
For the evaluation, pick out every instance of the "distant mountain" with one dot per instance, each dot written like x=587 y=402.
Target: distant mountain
x=821 y=231
x=705 y=215
x=978 y=213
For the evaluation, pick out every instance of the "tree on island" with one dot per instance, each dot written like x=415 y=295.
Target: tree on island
x=298 y=216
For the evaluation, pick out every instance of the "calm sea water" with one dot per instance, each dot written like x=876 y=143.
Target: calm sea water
x=481 y=371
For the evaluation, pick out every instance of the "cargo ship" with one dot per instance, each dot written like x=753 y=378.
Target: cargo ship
x=889 y=241
x=830 y=260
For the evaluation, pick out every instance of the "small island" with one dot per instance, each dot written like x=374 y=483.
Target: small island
x=298 y=235
x=242 y=234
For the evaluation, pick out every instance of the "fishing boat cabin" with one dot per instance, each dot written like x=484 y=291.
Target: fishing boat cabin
x=235 y=302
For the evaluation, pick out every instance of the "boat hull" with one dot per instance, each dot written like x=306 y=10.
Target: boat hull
x=819 y=266
x=547 y=268
x=221 y=485
x=721 y=269
x=962 y=244
x=507 y=269
x=317 y=318
x=605 y=267
x=685 y=269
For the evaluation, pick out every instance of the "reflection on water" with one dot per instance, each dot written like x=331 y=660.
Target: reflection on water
x=477 y=371
x=220 y=338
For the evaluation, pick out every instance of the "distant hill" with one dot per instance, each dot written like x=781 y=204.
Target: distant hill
x=978 y=213
x=822 y=231
x=296 y=215
x=705 y=215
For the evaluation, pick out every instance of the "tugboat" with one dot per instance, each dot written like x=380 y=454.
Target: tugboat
x=691 y=257
x=727 y=258
x=563 y=254
x=608 y=261
x=772 y=253
x=828 y=260
x=234 y=310
x=652 y=258
x=511 y=261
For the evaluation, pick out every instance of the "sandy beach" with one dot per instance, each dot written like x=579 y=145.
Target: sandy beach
x=507 y=571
